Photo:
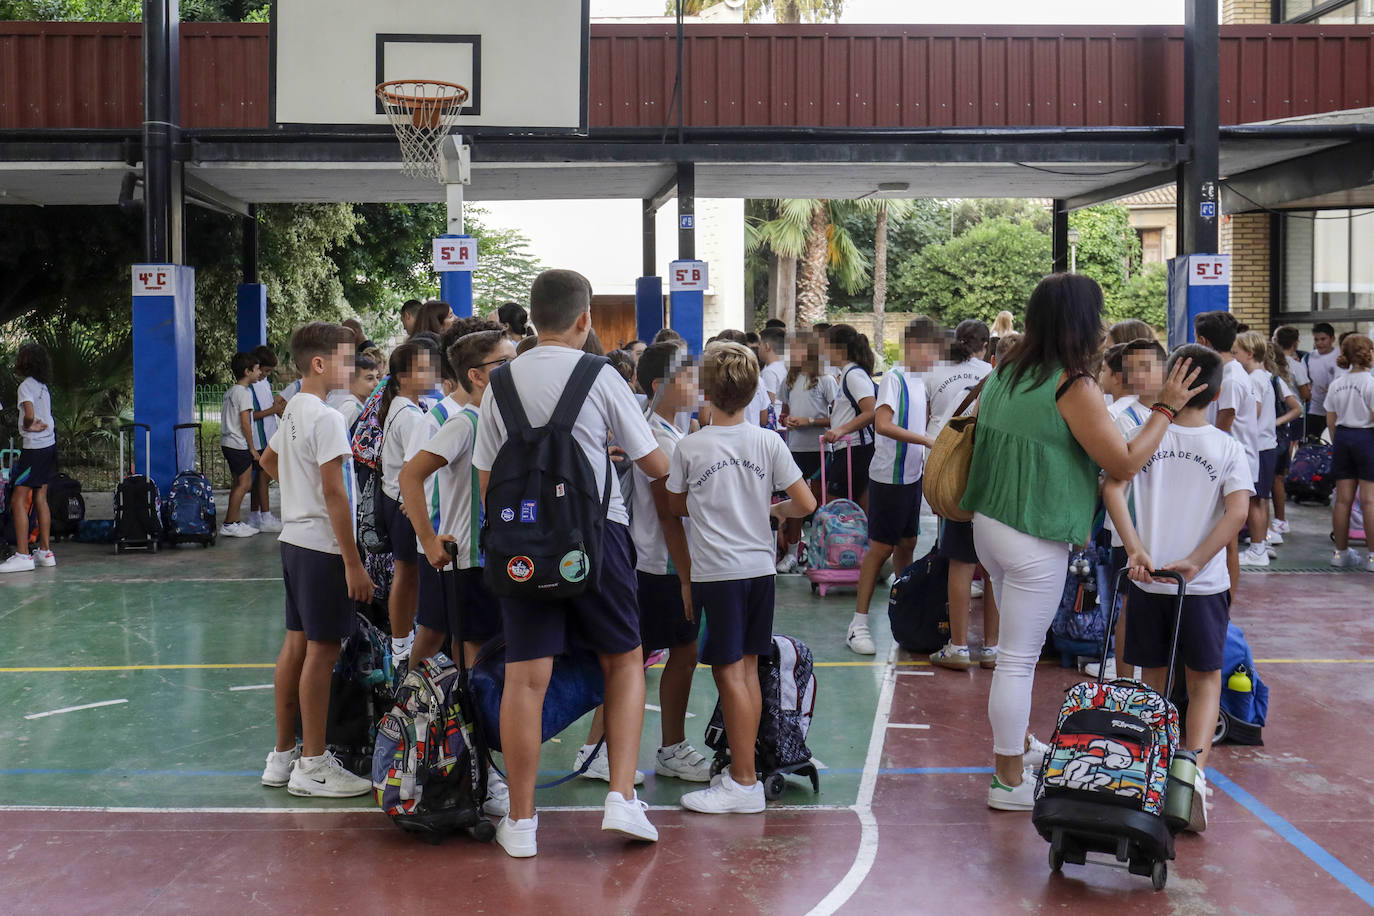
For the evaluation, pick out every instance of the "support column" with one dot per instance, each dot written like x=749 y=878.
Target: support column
x=649 y=240
x=161 y=106
x=455 y=283
x=164 y=325
x=252 y=295
x=1059 y=237
x=686 y=306
x=649 y=286
x=1201 y=113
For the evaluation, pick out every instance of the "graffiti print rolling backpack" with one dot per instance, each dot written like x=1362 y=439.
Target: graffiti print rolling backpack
x=1105 y=778
x=189 y=510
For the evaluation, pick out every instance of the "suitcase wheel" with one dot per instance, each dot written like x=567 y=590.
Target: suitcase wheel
x=1159 y=875
x=773 y=786
x=484 y=831
x=1056 y=857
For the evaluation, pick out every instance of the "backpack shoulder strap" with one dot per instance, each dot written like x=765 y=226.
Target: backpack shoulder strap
x=575 y=393
x=844 y=389
x=508 y=402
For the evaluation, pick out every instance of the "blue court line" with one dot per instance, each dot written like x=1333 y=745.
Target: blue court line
x=840 y=771
x=1295 y=837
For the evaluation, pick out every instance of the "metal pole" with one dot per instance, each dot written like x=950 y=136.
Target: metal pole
x=686 y=207
x=1073 y=259
x=160 y=95
x=250 y=245
x=649 y=229
x=1059 y=236
x=1201 y=114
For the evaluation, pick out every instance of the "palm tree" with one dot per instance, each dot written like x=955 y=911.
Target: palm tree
x=783 y=10
x=779 y=227
x=812 y=230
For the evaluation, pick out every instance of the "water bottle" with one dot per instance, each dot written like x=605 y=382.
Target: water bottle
x=1178 y=796
x=1239 y=681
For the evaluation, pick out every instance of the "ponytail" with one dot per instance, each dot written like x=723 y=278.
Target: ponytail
x=855 y=345
x=969 y=337
x=402 y=361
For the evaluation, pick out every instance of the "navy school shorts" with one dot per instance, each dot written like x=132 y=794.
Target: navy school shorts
x=317 y=599
x=403 y=544
x=956 y=542
x=894 y=511
x=604 y=618
x=35 y=467
x=1151 y=622
x=238 y=459
x=663 y=623
x=1268 y=461
x=739 y=618
x=1352 y=453
x=445 y=595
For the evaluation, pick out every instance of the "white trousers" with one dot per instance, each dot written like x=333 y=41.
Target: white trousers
x=1027 y=575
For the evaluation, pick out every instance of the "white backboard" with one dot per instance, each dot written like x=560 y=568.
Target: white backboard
x=524 y=61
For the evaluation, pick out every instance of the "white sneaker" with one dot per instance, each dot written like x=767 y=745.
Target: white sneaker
x=976 y=589
x=987 y=657
x=860 y=640
x=20 y=562
x=682 y=761
x=726 y=797
x=601 y=766
x=1197 y=818
x=787 y=565
x=1034 y=757
x=951 y=656
x=1279 y=525
x=43 y=557
x=627 y=818
x=238 y=530
x=517 y=838
x=277 y=773
x=1254 y=555
x=268 y=522
x=1091 y=669
x=1275 y=535
x=1270 y=551
x=1012 y=798
x=325 y=777
x=498 y=796
x=1340 y=559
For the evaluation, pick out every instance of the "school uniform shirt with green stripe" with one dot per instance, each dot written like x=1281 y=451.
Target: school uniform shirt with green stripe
x=900 y=462
x=434 y=419
x=651 y=550
x=451 y=493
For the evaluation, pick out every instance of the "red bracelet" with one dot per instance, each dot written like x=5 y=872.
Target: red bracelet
x=1169 y=413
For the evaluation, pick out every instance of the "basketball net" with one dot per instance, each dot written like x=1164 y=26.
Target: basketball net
x=423 y=113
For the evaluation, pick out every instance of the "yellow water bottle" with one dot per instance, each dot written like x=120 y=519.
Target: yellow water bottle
x=1239 y=681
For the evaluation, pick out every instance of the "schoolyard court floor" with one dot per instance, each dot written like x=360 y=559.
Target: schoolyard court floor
x=135 y=713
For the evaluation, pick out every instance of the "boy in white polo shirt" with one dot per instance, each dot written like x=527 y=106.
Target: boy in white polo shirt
x=606 y=614
x=724 y=477
x=1191 y=499
x=1235 y=411
x=322 y=570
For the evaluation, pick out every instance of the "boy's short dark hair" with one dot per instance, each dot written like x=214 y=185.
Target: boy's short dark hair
x=667 y=335
x=456 y=330
x=733 y=336
x=265 y=356
x=411 y=306
x=775 y=323
x=318 y=338
x=242 y=364
x=364 y=363
x=557 y=299
x=775 y=337
x=1116 y=354
x=1286 y=336
x=470 y=351
x=729 y=375
x=32 y=361
x=923 y=328
x=1322 y=327
x=1208 y=362
x=1220 y=329
x=655 y=364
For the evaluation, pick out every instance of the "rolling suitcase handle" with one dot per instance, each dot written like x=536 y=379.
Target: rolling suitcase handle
x=176 y=447
x=849 y=463
x=147 y=448
x=1178 y=624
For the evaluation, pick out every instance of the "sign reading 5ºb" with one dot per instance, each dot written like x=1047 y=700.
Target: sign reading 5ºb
x=455 y=253
x=687 y=276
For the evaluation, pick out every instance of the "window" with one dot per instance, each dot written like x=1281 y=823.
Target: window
x=1151 y=245
x=1329 y=12
x=1323 y=265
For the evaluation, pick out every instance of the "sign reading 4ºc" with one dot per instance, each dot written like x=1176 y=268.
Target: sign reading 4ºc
x=687 y=276
x=455 y=254
x=154 y=280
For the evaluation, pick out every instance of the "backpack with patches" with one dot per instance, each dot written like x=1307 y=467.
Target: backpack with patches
x=367 y=430
x=545 y=512
x=429 y=772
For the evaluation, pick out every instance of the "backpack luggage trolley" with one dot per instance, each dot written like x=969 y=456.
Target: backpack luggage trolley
x=189 y=511
x=839 y=537
x=1108 y=783
x=137 y=503
x=788 y=681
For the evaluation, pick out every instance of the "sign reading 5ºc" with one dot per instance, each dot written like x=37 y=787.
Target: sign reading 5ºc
x=1209 y=270
x=687 y=276
x=455 y=254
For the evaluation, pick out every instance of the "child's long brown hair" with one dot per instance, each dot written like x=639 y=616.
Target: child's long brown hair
x=808 y=364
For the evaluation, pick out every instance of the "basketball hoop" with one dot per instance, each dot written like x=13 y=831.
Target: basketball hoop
x=423 y=113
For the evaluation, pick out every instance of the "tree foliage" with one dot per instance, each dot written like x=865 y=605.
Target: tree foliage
x=1145 y=296
x=993 y=266
x=131 y=10
x=782 y=10
x=1108 y=248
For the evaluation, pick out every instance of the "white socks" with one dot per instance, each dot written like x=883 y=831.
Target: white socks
x=400 y=648
x=859 y=620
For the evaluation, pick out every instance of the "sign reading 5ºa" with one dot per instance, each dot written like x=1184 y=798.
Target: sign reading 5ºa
x=687 y=276
x=455 y=254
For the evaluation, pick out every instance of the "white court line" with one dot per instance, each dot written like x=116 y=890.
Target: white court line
x=867 y=852
x=91 y=809
x=66 y=709
x=898 y=725
x=907 y=672
x=254 y=687
x=653 y=708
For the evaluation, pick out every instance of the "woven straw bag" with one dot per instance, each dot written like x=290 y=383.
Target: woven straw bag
x=947 y=466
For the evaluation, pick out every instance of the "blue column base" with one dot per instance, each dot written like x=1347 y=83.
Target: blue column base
x=455 y=288
x=164 y=328
x=252 y=316
x=648 y=307
x=685 y=316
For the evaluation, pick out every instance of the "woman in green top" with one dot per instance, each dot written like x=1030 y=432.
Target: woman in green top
x=1043 y=432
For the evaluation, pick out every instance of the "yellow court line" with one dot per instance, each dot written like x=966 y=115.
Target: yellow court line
x=136 y=668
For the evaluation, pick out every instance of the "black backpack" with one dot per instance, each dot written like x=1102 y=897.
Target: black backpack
x=918 y=608
x=544 y=514
x=66 y=506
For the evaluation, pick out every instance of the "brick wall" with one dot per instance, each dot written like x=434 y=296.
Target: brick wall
x=1246 y=237
x=1241 y=12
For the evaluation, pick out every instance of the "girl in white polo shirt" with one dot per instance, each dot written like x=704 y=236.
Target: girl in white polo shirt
x=1350 y=415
